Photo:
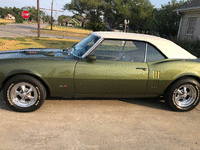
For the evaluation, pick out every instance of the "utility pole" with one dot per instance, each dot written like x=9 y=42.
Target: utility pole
x=51 y=14
x=38 y=16
x=51 y=10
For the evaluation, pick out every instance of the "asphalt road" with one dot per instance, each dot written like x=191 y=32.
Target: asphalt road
x=18 y=30
x=100 y=125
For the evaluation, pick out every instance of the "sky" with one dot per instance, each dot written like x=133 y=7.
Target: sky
x=58 y=5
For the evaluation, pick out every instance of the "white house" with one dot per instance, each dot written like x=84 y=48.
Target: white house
x=9 y=17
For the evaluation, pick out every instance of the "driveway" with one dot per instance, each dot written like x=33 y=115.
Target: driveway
x=100 y=125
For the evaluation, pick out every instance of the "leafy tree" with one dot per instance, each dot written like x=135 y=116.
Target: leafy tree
x=79 y=18
x=2 y=12
x=16 y=11
x=33 y=13
x=47 y=18
x=138 y=12
x=115 y=11
x=95 y=22
x=141 y=16
x=8 y=10
x=83 y=8
x=60 y=18
x=166 y=19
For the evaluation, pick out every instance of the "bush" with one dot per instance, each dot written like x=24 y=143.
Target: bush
x=95 y=26
x=191 y=46
x=19 y=19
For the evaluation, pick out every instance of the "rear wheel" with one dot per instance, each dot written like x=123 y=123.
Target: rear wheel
x=183 y=95
x=24 y=93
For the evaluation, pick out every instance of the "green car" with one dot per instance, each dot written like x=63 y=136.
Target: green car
x=103 y=65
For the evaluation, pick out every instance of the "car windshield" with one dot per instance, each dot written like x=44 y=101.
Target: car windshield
x=82 y=47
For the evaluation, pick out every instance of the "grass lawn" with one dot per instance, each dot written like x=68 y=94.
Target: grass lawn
x=65 y=31
x=34 y=42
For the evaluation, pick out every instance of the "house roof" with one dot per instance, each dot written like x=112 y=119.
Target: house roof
x=191 y=6
x=73 y=19
x=170 y=49
x=67 y=19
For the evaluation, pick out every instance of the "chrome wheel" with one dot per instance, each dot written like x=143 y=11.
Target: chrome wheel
x=23 y=94
x=185 y=95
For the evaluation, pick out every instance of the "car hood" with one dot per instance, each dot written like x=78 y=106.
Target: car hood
x=36 y=53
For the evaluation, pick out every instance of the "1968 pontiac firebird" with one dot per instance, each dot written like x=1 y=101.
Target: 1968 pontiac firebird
x=103 y=65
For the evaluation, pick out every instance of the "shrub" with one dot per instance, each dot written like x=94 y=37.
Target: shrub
x=19 y=19
x=191 y=46
x=95 y=26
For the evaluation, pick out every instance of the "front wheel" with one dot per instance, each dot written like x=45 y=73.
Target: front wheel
x=24 y=93
x=183 y=95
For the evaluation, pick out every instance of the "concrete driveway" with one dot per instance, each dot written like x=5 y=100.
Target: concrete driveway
x=100 y=125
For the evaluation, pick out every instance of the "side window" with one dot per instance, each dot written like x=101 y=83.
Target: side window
x=119 y=50
x=108 y=50
x=153 y=54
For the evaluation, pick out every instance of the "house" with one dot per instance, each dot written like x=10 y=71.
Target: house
x=71 y=22
x=9 y=17
x=189 y=28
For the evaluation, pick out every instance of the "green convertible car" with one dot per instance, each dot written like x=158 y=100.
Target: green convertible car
x=103 y=65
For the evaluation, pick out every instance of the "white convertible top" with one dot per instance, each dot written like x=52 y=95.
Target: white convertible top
x=167 y=47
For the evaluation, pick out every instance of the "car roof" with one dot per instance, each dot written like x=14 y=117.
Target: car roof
x=167 y=47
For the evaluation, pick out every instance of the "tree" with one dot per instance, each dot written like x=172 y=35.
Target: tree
x=141 y=16
x=95 y=22
x=33 y=13
x=16 y=11
x=115 y=11
x=79 y=18
x=138 y=12
x=2 y=12
x=60 y=19
x=47 y=18
x=166 y=20
x=83 y=8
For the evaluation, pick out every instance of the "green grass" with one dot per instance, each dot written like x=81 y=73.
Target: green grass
x=25 y=43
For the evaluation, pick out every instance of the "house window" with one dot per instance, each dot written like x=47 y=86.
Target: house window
x=191 y=25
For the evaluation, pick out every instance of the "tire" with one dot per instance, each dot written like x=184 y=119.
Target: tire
x=183 y=95
x=24 y=93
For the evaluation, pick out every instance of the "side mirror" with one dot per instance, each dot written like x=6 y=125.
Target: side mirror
x=91 y=58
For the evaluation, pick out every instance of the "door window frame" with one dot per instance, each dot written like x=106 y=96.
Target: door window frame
x=102 y=39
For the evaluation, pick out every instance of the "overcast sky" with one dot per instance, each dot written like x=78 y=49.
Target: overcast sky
x=58 y=4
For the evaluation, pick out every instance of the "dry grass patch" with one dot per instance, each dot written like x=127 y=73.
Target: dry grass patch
x=5 y=21
x=70 y=29
x=12 y=44
x=33 y=42
x=65 y=31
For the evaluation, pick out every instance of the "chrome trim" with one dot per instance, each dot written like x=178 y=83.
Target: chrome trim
x=185 y=95
x=93 y=47
x=145 y=55
x=23 y=94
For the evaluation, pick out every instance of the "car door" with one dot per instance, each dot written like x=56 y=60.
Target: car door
x=119 y=71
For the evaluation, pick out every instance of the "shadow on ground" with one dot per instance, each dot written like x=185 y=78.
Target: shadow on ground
x=151 y=103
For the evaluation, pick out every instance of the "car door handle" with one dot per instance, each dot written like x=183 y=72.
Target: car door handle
x=145 y=69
